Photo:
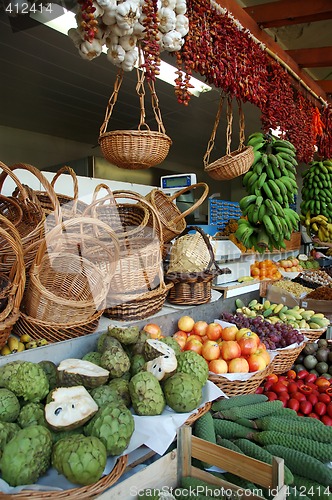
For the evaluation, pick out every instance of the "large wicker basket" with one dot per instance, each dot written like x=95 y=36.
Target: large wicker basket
x=82 y=492
x=134 y=149
x=285 y=358
x=172 y=219
x=235 y=163
x=311 y=334
x=237 y=387
x=72 y=271
x=193 y=288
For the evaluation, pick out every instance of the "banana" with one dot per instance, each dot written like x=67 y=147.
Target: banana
x=283 y=143
x=282 y=188
x=267 y=191
x=246 y=201
x=12 y=343
x=276 y=171
x=269 y=171
x=21 y=347
x=261 y=180
x=25 y=338
x=250 y=213
x=279 y=209
x=274 y=188
x=268 y=224
x=5 y=350
x=271 y=209
x=286 y=150
x=265 y=159
x=256 y=134
x=246 y=177
x=258 y=168
x=252 y=180
x=261 y=212
x=277 y=224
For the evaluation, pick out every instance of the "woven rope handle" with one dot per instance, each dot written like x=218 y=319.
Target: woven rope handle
x=206 y=241
x=241 y=125
x=210 y=145
x=98 y=188
x=195 y=205
x=155 y=107
x=111 y=102
x=71 y=172
x=229 y=129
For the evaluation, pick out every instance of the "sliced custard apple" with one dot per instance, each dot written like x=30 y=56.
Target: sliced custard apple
x=155 y=348
x=162 y=366
x=74 y=371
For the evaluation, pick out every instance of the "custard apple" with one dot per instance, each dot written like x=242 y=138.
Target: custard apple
x=146 y=394
x=155 y=348
x=120 y=388
x=25 y=379
x=93 y=357
x=183 y=393
x=26 y=456
x=116 y=361
x=114 y=425
x=104 y=394
x=81 y=459
x=195 y=365
x=172 y=343
x=136 y=364
x=9 y=406
x=74 y=371
x=31 y=414
x=138 y=347
x=51 y=372
x=7 y=432
x=124 y=334
x=105 y=341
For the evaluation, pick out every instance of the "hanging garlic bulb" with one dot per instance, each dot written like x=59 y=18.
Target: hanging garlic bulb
x=116 y=54
x=172 y=41
x=182 y=24
x=167 y=20
x=128 y=42
x=90 y=50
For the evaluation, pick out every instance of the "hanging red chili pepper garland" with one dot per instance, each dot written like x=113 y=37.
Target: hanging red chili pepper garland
x=229 y=58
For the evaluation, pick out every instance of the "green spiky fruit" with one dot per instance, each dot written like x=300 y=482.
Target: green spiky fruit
x=81 y=459
x=116 y=361
x=25 y=379
x=137 y=364
x=103 y=395
x=106 y=341
x=32 y=414
x=146 y=394
x=51 y=372
x=195 y=365
x=120 y=388
x=93 y=357
x=26 y=456
x=7 y=432
x=183 y=392
x=9 y=406
x=114 y=425
x=172 y=343
x=125 y=334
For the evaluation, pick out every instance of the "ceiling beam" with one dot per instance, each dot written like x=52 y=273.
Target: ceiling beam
x=248 y=22
x=326 y=85
x=315 y=57
x=286 y=12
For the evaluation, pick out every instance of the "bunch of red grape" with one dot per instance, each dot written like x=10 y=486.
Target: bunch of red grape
x=272 y=336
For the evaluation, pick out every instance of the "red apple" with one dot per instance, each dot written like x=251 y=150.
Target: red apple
x=230 y=349
x=193 y=345
x=213 y=331
x=218 y=366
x=210 y=350
x=256 y=362
x=248 y=343
x=200 y=327
x=191 y=336
x=238 y=365
x=186 y=323
x=229 y=332
x=153 y=330
x=181 y=338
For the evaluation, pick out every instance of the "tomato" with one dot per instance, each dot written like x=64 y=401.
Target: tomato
x=272 y=396
x=329 y=409
x=283 y=399
x=305 y=407
x=302 y=374
x=291 y=374
x=273 y=377
x=299 y=396
x=322 y=384
x=294 y=404
x=292 y=387
x=305 y=389
x=327 y=420
x=329 y=391
x=320 y=408
x=268 y=385
x=324 y=398
x=259 y=390
x=279 y=387
x=311 y=377
x=313 y=415
x=313 y=398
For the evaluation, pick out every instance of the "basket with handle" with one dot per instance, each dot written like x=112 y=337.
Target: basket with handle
x=12 y=294
x=193 y=288
x=235 y=163
x=71 y=205
x=172 y=219
x=135 y=149
x=31 y=227
x=139 y=262
x=72 y=271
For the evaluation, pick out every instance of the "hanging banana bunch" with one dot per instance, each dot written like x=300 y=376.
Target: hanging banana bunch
x=271 y=186
x=316 y=206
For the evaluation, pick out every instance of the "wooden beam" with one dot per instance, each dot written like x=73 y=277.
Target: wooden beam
x=315 y=57
x=248 y=22
x=326 y=85
x=285 y=12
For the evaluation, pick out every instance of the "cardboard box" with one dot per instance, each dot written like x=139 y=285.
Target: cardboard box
x=278 y=296
x=319 y=306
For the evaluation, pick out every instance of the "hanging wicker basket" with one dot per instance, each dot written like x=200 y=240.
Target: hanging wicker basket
x=193 y=288
x=135 y=149
x=235 y=163
x=172 y=219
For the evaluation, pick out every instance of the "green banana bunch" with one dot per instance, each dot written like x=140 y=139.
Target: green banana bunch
x=271 y=186
x=317 y=196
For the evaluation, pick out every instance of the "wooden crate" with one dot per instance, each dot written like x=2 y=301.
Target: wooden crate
x=294 y=243
x=165 y=473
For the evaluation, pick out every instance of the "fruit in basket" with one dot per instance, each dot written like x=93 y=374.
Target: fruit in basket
x=146 y=394
x=72 y=371
x=200 y=328
x=218 y=366
x=238 y=365
x=69 y=407
x=81 y=459
x=31 y=414
x=210 y=350
x=26 y=456
x=193 y=364
x=183 y=392
x=213 y=331
x=126 y=334
x=25 y=379
x=115 y=361
x=9 y=406
x=114 y=425
x=186 y=324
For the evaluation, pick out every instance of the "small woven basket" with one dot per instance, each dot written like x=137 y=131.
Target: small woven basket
x=233 y=164
x=72 y=271
x=200 y=412
x=82 y=492
x=71 y=205
x=54 y=332
x=313 y=335
x=134 y=149
x=193 y=288
x=172 y=219
x=285 y=358
x=237 y=387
